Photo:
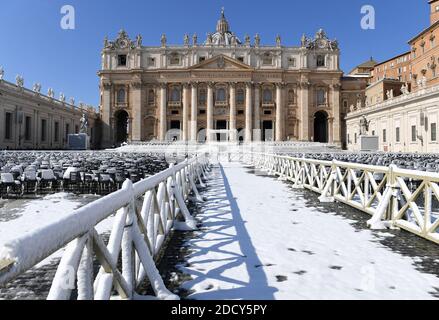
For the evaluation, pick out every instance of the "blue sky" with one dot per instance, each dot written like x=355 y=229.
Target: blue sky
x=34 y=45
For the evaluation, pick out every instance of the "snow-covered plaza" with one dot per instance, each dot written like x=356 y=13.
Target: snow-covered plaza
x=259 y=238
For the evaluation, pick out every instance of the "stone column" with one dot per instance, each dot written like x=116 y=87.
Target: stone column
x=248 y=112
x=233 y=133
x=194 y=112
x=185 y=112
x=280 y=119
x=162 y=115
x=137 y=99
x=257 y=124
x=209 y=126
x=336 y=131
x=107 y=130
x=304 y=111
x=331 y=130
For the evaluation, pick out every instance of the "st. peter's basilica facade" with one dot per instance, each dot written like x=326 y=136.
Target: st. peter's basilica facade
x=222 y=87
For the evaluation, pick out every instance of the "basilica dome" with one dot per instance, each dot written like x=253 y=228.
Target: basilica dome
x=223 y=36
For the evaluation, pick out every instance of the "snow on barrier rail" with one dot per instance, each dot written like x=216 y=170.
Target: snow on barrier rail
x=396 y=198
x=145 y=214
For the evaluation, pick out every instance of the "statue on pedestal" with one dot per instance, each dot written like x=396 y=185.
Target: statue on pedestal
x=50 y=93
x=84 y=124
x=20 y=81
x=36 y=88
x=163 y=40
x=364 y=126
x=195 y=39
x=278 y=40
x=139 y=41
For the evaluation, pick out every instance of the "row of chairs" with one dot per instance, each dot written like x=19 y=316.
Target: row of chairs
x=79 y=172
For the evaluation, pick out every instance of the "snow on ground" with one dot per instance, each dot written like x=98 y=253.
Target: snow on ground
x=260 y=241
x=30 y=215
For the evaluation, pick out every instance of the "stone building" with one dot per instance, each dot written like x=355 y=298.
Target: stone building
x=31 y=120
x=425 y=52
x=396 y=68
x=402 y=103
x=242 y=89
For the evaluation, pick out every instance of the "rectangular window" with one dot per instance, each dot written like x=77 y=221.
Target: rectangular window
x=202 y=111
x=414 y=134
x=43 y=129
x=267 y=61
x=122 y=60
x=320 y=61
x=398 y=138
x=433 y=132
x=8 y=126
x=355 y=138
x=76 y=129
x=291 y=62
x=28 y=128
x=267 y=112
x=151 y=62
x=384 y=135
x=56 y=138
x=240 y=112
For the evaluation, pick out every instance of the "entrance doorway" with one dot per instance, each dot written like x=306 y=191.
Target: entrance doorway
x=174 y=132
x=321 y=127
x=121 y=126
x=221 y=125
x=267 y=131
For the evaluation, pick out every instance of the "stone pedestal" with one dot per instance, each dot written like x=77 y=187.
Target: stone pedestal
x=79 y=141
x=369 y=143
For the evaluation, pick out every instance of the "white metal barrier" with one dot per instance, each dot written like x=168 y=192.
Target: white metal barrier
x=144 y=212
x=394 y=197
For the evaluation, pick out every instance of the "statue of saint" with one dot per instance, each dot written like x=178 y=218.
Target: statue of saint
x=163 y=40
x=364 y=126
x=195 y=39
x=247 y=40
x=139 y=41
x=278 y=40
x=257 y=40
x=20 y=81
x=50 y=93
x=84 y=123
x=186 y=39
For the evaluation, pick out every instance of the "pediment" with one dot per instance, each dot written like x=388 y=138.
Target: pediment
x=222 y=62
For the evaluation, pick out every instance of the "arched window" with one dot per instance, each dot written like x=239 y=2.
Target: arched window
x=151 y=97
x=268 y=96
x=221 y=95
x=240 y=96
x=321 y=97
x=121 y=96
x=320 y=61
x=291 y=96
x=175 y=95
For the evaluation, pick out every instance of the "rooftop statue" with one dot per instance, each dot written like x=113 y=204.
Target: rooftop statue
x=19 y=81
